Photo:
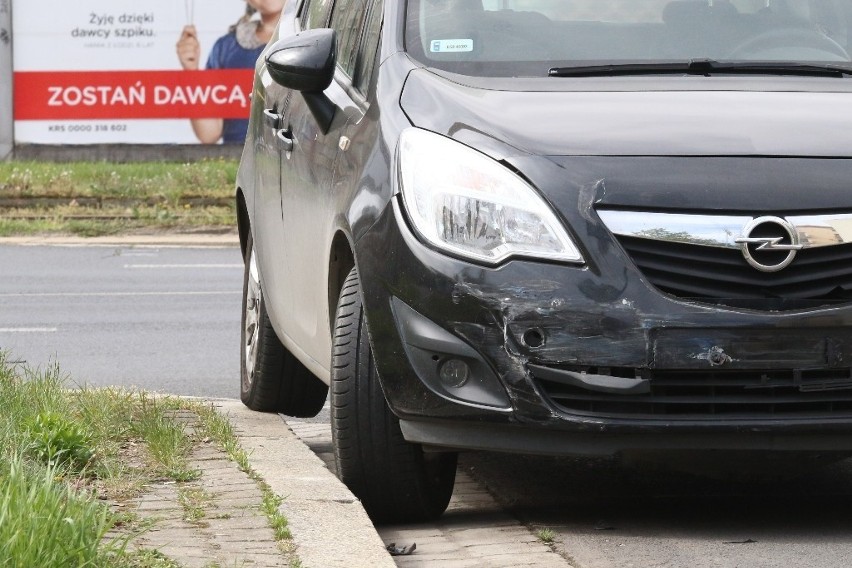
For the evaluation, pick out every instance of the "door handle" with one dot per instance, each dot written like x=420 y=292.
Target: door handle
x=271 y=118
x=285 y=139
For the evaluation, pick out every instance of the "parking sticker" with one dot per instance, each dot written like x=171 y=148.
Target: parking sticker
x=451 y=45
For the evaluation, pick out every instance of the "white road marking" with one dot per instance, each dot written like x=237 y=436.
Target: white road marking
x=28 y=330
x=112 y=294
x=168 y=266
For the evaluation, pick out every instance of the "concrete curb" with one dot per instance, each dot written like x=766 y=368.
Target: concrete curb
x=191 y=240
x=329 y=526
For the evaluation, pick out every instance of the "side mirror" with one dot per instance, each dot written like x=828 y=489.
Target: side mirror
x=305 y=62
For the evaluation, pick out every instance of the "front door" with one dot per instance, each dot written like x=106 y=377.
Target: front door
x=308 y=194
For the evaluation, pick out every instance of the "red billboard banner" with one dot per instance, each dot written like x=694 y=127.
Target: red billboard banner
x=63 y=95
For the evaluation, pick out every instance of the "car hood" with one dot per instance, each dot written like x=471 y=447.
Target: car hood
x=535 y=117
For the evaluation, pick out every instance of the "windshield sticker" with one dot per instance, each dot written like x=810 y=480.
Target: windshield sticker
x=452 y=45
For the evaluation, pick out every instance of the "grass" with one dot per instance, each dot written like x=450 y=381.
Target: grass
x=66 y=454
x=98 y=198
x=164 y=181
x=44 y=523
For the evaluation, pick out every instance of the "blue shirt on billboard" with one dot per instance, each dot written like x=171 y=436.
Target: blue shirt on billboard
x=227 y=53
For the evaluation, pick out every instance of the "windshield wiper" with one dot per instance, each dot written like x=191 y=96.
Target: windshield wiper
x=704 y=67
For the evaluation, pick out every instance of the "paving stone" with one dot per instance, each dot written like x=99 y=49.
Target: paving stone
x=249 y=522
x=234 y=531
x=448 y=562
x=474 y=532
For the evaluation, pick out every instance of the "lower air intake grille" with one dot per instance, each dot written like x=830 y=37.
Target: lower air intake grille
x=715 y=395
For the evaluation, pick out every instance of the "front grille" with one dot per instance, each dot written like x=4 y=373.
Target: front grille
x=714 y=395
x=817 y=277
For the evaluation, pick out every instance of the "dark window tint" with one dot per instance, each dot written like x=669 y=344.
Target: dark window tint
x=369 y=45
x=315 y=14
x=347 y=19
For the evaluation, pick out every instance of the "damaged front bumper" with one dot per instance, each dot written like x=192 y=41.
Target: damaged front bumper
x=564 y=360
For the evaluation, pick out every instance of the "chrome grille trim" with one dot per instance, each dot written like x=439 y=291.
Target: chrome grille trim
x=722 y=231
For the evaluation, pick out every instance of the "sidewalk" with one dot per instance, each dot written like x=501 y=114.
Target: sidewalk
x=329 y=526
x=190 y=240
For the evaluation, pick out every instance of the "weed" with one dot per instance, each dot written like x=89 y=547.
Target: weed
x=546 y=535
x=195 y=502
x=56 y=440
x=167 y=444
x=217 y=428
x=146 y=558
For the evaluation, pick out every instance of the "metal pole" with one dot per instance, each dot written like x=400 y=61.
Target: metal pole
x=7 y=125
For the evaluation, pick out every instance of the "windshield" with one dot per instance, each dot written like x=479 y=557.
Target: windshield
x=532 y=37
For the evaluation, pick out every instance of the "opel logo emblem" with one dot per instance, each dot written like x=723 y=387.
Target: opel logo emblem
x=769 y=244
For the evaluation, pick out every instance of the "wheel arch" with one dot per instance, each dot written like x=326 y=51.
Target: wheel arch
x=341 y=259
x=243 y=221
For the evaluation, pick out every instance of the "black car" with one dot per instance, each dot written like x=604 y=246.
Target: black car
x=567 y=228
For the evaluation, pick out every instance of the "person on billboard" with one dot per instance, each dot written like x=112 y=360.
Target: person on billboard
x=237 y=49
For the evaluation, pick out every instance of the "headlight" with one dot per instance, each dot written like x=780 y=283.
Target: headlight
x=463 y=202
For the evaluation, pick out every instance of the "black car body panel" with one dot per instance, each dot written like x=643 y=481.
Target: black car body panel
x=609 y=354
x=554 y=117
x=590 y=320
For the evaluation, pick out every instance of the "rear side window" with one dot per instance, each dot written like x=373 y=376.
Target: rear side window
x=315 y=14
x=347 y=20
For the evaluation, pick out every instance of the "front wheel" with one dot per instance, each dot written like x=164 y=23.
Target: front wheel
x=272 y=379
x=395 y=480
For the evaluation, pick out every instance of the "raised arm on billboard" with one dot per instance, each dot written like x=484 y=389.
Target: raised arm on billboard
x=237 y=49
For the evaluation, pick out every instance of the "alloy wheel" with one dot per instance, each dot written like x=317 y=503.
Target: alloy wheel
x=252 y=319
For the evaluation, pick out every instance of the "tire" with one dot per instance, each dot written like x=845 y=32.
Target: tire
x=271 y=378
x=395 y=480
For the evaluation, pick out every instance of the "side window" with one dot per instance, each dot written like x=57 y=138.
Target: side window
x=369 y=46
x=315 y=14
x=347 y=19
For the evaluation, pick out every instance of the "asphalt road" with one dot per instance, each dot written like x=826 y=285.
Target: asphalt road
x=608 y=515
x=163 y=319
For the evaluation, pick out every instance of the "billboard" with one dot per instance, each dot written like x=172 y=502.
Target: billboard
x=108 y=71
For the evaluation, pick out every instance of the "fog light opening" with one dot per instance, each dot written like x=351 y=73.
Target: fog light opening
x=454 y=373
x=533 y=338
